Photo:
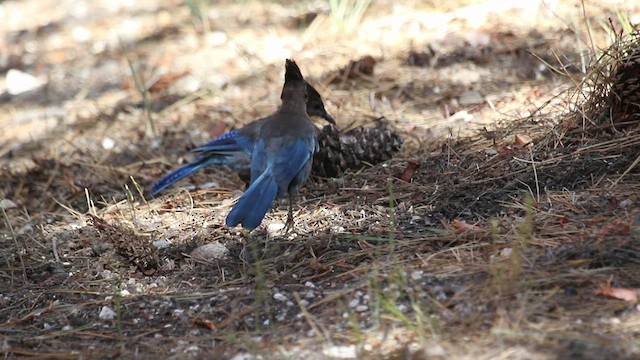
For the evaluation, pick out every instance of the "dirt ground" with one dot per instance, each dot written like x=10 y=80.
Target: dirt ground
x=507 y=226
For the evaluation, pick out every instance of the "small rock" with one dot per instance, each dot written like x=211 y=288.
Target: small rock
x=470 y=97
x=417 y=274
x=18 y=82
x=434 y=350
x=7 y=204
x=279 y=297
x=340 y=352
x=210 y=252
x=353 y=303
x=362 y=308
x=192 y=348
x=25 y=229
x=274 y=228
x=162 y=244
x=625 y=203
x=246 y=357
x=108 y=143
x=107 y=314
x=462 y=116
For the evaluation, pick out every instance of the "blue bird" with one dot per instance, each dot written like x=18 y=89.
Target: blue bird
x=234 y=148
x=282 y=155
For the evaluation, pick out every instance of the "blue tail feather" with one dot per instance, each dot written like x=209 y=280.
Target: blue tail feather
x=186 y=170
x=176 y=175
x=254 y=203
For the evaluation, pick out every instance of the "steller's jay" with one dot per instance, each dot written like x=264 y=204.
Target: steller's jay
x=234 y=148
x=282 y=155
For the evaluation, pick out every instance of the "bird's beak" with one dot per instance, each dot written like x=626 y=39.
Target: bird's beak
x=329 y=118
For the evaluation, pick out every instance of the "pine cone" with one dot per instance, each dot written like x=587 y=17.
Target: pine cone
x=624 y=98
x=353 y=150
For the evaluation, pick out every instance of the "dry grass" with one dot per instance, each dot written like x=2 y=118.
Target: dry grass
x=489 y=249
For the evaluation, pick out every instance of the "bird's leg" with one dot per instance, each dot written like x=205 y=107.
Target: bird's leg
x=290 y=222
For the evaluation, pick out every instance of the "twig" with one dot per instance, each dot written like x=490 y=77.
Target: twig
x=634 y=164
x=54 y=248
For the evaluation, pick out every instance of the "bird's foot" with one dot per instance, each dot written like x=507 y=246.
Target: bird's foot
x=289 y=226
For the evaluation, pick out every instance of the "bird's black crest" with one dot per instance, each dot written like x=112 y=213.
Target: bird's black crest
x=292 y=72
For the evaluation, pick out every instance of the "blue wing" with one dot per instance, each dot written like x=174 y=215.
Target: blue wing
x=230 y=142
x=293 y=164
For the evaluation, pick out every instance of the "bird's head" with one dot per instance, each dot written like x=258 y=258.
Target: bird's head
x=315 y=106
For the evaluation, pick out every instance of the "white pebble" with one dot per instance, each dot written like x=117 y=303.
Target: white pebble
x=274 y=228
x=18 y=82
x=162 y=244
x=353 y=303
x=279 y=297
x=417 y=275
x=340 y=352
x=108 y=143
x=107 y=314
